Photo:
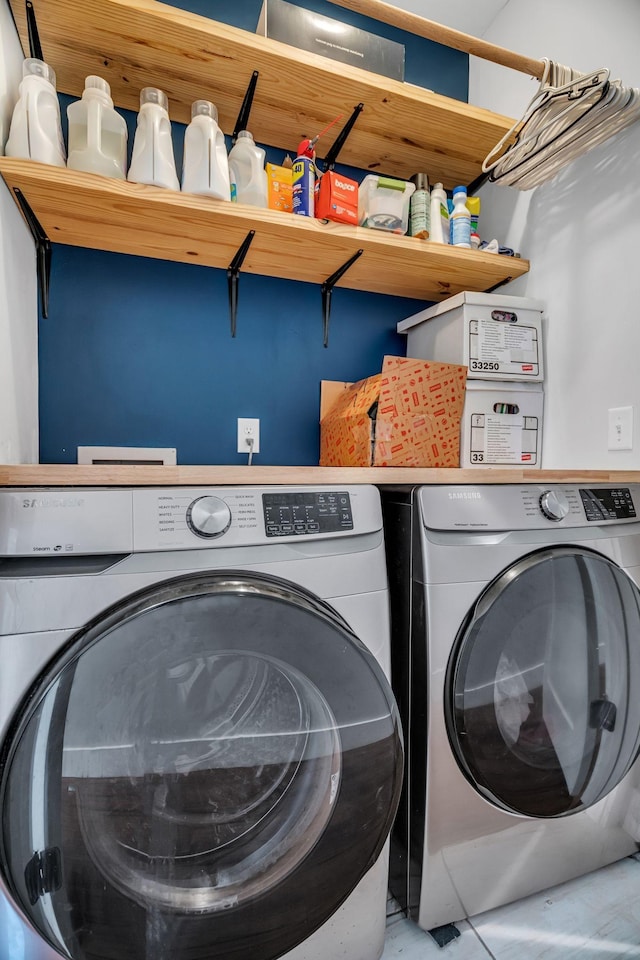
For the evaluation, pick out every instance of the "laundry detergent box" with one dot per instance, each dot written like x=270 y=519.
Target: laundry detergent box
x=501 y=424
x=408 y=415
x=496 y=337
x=279 y=187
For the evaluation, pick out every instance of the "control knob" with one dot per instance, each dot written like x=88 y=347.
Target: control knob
x=554 y=505
x=209 y=517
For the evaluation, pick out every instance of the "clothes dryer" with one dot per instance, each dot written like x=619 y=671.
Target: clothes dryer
x=516 y=642
x=200 y=751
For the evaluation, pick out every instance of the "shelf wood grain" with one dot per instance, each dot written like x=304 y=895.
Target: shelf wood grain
x=86 y=210
x=136 y=43
x=71 y=475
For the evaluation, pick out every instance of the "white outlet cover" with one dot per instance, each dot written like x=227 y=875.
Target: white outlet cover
x=248 y=427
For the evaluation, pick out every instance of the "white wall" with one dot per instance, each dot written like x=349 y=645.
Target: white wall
x=18 y=303
x=580 y=230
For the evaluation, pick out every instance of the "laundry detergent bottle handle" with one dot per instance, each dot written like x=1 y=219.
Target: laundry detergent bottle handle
x=205 y=168
x=152 y=160
x=36 y=129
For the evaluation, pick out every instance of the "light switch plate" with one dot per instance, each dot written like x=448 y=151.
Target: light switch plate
x=620 y=431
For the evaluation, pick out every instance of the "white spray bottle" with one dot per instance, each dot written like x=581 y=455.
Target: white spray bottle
x=439 y=215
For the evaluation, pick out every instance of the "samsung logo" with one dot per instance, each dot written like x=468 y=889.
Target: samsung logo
x=464 y=495
x=53 y=502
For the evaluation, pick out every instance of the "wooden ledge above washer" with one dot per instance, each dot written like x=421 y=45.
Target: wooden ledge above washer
x=72 y=475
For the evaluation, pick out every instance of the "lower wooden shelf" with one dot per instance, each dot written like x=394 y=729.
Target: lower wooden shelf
x=86 y=210
x=71 y=475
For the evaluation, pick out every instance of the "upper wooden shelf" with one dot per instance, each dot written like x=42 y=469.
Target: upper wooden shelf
x=402 y=130
x=86 y=210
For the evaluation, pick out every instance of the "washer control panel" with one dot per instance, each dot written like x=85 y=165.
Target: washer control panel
x=300 y=514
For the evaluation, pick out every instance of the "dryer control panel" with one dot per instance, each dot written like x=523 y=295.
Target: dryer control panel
x=530 y=506
x=610 y=503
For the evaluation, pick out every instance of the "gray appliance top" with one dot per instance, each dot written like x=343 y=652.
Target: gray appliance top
x=67 y=521
x=528 y=506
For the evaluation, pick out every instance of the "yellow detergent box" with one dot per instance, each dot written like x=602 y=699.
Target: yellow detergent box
x=279 y=181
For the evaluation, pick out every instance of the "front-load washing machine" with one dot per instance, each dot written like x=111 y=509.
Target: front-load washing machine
x=201 y=754
x=516 y=638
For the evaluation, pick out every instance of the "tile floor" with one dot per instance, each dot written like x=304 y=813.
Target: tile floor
x=596 y=917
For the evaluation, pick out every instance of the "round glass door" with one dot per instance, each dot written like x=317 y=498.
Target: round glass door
x=207 y=772
x=542 y=702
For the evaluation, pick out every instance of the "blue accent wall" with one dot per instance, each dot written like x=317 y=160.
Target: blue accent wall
x=138 y=352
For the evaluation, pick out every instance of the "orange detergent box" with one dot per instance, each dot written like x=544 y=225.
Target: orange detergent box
x=408 y=415
x=279 y=187
x=337 y=198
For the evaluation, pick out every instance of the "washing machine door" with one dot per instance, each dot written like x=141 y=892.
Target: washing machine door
x=207 y=771
x=542 y=703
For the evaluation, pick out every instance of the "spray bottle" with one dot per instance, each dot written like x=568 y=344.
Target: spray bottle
x=305 y=173
x=439 y=215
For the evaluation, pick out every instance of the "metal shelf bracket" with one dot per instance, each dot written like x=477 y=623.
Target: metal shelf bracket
x=233 y=272
x=35 y=49
x=327 y=288
x=243 y=117
x=43 y=250
x=332 y=154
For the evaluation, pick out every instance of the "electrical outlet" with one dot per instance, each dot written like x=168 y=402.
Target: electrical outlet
x=248 y=429
x=620 y=432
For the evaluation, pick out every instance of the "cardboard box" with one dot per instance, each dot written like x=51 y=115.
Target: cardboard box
x=330 y=38
x=337 y=198
x=406 y=416
x=496 y=337
x=501 y=424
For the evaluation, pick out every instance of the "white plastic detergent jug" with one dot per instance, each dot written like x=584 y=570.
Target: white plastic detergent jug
x=246 y=169
x=97 y=134
x=153 y=161
x=205 y=167
x=36 y=130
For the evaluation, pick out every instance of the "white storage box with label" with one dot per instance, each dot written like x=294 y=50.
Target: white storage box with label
x=501 y=424
x=497 y=338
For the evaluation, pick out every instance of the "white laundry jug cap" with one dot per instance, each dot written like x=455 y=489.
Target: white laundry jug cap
x=204 y=108
x=97 y=83
x=154 y=95
x=244 y=133
x=38 y=68
x=95 y=88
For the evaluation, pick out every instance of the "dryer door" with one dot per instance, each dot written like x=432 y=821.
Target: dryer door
x=542 y=702
x=207 y=772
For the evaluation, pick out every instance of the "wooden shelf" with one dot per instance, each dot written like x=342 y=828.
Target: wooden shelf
x=87 y=210
x=403 y=129
x=70 y=475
